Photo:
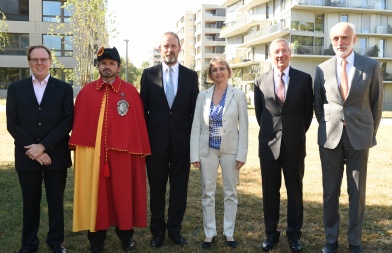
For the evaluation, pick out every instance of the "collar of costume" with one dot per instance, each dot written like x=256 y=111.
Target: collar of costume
x=88 y=108
x=115 y=85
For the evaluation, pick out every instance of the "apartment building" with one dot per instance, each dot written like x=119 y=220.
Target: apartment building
x=199 y=33
x=185 y=29
x=155 y=57
x=251 y=25
x=29 y=22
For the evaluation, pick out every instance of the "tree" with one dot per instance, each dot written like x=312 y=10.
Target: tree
x=145 y=64
x=204 y=78
x=133 y=72
x=3 y=30
x=89 y=26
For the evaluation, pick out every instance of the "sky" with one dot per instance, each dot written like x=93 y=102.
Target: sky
x=144 y=23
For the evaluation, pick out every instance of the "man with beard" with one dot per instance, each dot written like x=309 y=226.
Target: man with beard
x=169 y=91
x=348 y=97
x=110 y=140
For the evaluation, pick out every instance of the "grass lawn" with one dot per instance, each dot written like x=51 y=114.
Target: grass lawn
x=249 y=233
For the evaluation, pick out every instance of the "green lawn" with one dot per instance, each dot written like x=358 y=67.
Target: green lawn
x=377 y=233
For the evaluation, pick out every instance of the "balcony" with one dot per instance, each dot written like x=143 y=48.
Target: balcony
x=387 y=77
x=241 y=24
x=384 y=29
x=241 y=62
x=321 y=50
x=356 y=4
x=265 y=34
x=249 y=4
x=237 y=60
x=225 y=3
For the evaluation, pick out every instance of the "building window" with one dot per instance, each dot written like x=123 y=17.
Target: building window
x=266 y=10
x=302 y=26
x=219 y=49
x=63 y=74
x=381 y=46
x=210 y=25
x=15 y=10
x=319 y=23
x=282 y=5
x=366 y=23
x=51 y=9
x=305 y=44
x=220 y=24
x=266 y=53
x=10 y=75
x=17 y=44
x=344 y=18
x=362 y=46
x=61 y=45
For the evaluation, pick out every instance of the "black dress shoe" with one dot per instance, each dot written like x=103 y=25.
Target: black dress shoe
x=330 y=248
x=295 y=245
x=95 y=249
x=156 y=242
x=58 y=248
x=178 y=239
x=231 y=244
x=130 y=245
x=270 y=243
x=27 y=250
x=355 y=249
x=207 y=245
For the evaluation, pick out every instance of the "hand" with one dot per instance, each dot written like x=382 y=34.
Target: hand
x=196 y=164
x=239 y=165
x=44 y=159
x=34 y=150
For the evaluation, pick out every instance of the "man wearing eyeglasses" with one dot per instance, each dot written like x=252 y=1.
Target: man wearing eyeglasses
x=39 y=117
x=284 y=111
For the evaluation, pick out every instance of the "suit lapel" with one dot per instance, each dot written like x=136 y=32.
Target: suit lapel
x=29 y=89
x=181 y=83
x=207 y=103
x=229 y=96
x=159 y=77
x=332 y=72
x=270 y=87
x=359 y=65
x=291 y=85
x=50 y=87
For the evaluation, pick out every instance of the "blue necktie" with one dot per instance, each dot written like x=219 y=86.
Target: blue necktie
x=170 y=88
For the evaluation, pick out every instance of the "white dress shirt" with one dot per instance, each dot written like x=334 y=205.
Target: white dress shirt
x=39 y=87
x=165 y=71
x=285 y=78
x=349 y=67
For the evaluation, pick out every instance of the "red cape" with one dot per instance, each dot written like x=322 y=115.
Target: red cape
x=133 y=138
x=123 y=146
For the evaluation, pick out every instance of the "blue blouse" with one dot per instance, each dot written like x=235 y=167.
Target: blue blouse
x=216 y=127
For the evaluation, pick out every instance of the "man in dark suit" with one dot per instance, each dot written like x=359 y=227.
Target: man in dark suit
x=169 y=91
x=39 y=118
x=348 y=95
x=284 y=111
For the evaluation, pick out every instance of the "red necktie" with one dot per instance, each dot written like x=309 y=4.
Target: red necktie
x=343 y=80
x=280 y=90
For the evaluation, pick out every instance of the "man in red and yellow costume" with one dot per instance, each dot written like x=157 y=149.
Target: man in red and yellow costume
x=110 y=140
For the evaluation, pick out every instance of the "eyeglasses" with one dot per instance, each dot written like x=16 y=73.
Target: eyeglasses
x=216 y=69
x=39 y=60
x=283 y=51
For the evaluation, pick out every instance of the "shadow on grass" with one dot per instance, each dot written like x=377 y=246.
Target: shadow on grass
x=249 y=231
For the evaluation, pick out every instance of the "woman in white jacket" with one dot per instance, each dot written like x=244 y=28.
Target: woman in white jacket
x=219 y=137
